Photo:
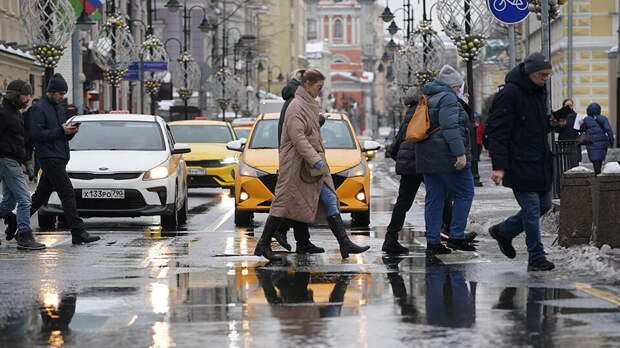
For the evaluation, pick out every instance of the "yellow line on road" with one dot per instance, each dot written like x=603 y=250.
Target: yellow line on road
x=603 y=295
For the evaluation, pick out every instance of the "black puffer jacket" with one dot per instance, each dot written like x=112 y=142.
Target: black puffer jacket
x=288 y=94
x=402 y=151
x=517 y=129
x=12 y=133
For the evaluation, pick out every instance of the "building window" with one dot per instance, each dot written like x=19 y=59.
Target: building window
x=338 y=30
x=312 y=30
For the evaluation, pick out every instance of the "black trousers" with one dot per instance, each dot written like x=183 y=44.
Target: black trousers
x=55 y=178
x=300 y=230
x=597 y=166
x=407 y=190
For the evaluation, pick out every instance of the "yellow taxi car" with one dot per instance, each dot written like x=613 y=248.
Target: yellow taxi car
x=242 y=126
x=209 y=164
x=256 y=176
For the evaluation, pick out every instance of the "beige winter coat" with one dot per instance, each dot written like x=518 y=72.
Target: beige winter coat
x=301 y=141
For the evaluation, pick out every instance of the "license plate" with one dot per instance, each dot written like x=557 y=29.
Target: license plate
x=195 y=171
x=103 y=194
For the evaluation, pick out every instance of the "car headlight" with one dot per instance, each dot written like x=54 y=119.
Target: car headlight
x=358 y=170
x=162 y=171
x=228 y=160
x=246 y=170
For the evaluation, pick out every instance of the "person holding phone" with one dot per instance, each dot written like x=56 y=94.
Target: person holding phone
x=51 y=134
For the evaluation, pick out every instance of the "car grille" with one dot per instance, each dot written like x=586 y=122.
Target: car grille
x=269 y=181
x=202 y=181
x=338 y=180
x=133 y=200
x=205 y=164
x=113 y=176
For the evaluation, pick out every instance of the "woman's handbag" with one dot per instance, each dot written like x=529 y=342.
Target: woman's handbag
x=310 y=175
x=584 y=139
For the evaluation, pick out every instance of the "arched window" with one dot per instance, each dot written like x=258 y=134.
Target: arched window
x=338 y=30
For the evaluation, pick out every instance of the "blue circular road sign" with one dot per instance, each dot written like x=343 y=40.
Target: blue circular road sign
x=509 y=11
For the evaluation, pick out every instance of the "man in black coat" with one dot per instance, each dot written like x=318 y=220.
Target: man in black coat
x=521 y=157
x=51 y=134
x=12 y=155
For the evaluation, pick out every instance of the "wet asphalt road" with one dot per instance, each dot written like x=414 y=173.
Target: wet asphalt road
x=199 y=286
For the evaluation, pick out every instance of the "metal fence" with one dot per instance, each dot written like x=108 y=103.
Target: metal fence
x=565 y=157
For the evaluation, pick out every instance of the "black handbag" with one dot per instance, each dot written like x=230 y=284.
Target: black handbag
x=584 y=139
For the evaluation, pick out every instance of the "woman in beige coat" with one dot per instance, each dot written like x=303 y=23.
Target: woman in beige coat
x=299 y=189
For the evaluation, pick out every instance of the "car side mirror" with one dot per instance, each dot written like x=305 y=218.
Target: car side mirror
x=236 y=145
x=370 y=145
x=180 y=148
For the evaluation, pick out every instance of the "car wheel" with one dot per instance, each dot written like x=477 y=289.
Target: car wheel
x=47 y=222
x=243 y=218
x=182 y=214
x=360 y=219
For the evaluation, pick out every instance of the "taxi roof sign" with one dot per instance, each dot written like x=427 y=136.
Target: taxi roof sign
x=120 y=112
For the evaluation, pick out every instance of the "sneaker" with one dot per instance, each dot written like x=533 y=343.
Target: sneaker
x=309 y=249
x=469 y=236
x=504 y=244
x=539 y=265
x=437 y=249
x=461 y=244
x=25 y=240
x=10 y=220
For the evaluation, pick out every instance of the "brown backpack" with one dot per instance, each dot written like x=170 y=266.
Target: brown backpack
x=419 y=128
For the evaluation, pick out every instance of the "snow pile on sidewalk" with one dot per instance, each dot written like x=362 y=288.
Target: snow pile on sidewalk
x=587 y=261
x=612 y=168
x=580 y=169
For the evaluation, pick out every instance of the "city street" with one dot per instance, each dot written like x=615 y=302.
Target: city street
x=200 y=286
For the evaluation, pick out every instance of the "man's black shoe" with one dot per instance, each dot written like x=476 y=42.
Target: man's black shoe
x=541 y=264
x=391 y=245
x=504 y=244
x=25 y=241
x=461 y=244
x=437 y=249
x=309 y=249
x=80 y=237
x=10 y=220
x=469 y=236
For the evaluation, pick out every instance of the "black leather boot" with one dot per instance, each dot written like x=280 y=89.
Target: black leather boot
x=280 y=235
x=81 y=236
x=263 y=247
x=10 y=220
x=346 y=245
x=392 y=246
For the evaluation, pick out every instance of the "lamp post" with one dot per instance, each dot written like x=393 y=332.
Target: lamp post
x=47 y=29
x=467 y=22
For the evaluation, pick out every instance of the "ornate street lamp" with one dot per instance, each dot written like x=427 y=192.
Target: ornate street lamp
x=152 y=50
x=48 y=25
x=535 y=6
x=185 y=77
x=421 y=59
x=467 y=23
x=224 y=89
x=114 y=51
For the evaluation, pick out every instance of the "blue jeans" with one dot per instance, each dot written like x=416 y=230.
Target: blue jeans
x=15 y=193
x=460 y=186
x=329 y=200
x=533 y=206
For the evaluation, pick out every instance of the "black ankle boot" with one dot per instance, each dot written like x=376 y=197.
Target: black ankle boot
x=10 y=220
x=81 y=236
x=346 y=245
x=263 y=247
x=280 y=236
x=392 y=246
x=308 y=248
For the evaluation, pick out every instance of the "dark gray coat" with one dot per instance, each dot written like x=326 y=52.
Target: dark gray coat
x=438 y=153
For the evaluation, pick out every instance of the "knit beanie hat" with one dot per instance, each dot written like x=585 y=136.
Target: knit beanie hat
x=450 y=76
x=16 y=88
x=57 y=84
x=535 y=62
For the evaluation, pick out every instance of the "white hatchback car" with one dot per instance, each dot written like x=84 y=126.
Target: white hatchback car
x=124 y=166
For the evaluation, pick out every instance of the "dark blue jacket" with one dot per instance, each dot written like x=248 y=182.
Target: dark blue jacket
x=598 y=127
x=404 y=152
x=13 y=136
x=50 y=141
x=517 y=129
x=438 y=153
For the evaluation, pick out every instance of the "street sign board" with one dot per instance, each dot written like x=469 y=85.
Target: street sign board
x=509 y=11
x=131 y=75
x=155 y=66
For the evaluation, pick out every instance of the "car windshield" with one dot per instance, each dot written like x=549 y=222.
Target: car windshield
x=201 y=134
x=336 y=134
x=242 y=132
x=265 y=135
x=118 y=135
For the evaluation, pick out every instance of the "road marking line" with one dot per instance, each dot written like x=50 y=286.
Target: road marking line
x=603 y=295
x=220 y=221
x=133 y=320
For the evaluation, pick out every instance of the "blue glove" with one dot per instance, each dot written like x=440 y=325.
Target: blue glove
x=318 y=164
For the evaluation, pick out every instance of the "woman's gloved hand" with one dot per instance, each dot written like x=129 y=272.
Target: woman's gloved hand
x=461 y=162
x=318 y=164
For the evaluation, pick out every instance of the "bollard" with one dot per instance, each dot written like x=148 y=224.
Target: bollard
x=607 y=211
x=576 y=208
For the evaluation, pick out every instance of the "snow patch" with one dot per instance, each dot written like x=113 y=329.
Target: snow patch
x=580 y=169
x=612 y=168
x=588 y=261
